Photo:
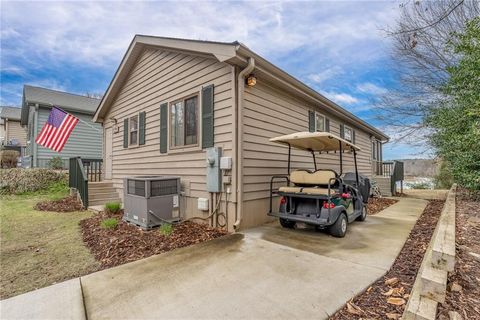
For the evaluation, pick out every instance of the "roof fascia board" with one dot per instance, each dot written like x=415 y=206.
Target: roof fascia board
x=303 y=90
x=66 y=108
x=133 y=51
x=221 y=51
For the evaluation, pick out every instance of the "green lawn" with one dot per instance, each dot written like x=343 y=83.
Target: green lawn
x=39 y=248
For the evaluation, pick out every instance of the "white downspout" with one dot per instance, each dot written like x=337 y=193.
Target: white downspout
x=241 y=87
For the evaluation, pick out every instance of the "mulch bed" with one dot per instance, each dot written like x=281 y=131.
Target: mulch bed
x=67 y=204
x=375 y=205
x=386 y=298
x=126 y=243
x=463 y=295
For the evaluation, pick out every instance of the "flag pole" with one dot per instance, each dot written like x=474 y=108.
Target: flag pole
x=80 y=120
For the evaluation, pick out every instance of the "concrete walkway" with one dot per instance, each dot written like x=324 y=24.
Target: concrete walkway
x=265 y=272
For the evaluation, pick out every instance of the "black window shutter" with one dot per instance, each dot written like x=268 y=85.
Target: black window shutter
x=125 y=133
x=141 y=127
x=311 y=121
x=163 y=128
x=207 y=117
x=327 y=125
x=342 y=131
x=353 y=136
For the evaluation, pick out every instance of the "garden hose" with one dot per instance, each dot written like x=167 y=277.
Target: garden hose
x=215 y=211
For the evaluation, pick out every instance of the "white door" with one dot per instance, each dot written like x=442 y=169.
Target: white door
x=108 y=153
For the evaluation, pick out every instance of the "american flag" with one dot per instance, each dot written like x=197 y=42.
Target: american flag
x=56 y=131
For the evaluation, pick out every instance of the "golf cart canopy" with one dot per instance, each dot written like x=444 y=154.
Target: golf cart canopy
x=315 y=142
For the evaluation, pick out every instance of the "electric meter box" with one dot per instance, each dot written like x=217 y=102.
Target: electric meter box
x=214 y=176
x=226 y=163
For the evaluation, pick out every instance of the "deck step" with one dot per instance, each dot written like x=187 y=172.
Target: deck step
x=103 y=201
x=99 y=193
x=103 y=195
x=97 y=185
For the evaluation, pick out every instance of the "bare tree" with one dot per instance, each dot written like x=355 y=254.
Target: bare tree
x=421 y=52
x=96 y=95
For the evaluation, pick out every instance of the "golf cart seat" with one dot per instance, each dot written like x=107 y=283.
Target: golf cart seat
x=308 y=182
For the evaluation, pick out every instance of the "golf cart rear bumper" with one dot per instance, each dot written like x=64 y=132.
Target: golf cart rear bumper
x=300 y=218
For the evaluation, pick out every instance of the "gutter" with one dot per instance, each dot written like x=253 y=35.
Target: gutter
x=302 y=89
x=239 y=112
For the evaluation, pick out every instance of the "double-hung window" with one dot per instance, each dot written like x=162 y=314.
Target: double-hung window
x=319 y=122
x=133 y=137
x=348 y=134
x=184 y=122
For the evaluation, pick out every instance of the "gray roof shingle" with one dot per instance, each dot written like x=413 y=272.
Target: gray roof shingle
x=12 y=113
x=64 y=100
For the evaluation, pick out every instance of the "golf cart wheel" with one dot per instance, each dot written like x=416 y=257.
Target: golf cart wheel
x=363 y=216
x=287 y=223
x=339 y=228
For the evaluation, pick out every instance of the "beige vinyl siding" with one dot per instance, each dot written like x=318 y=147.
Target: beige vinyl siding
x=16 y=131
x=269 y=112
x=162 y=76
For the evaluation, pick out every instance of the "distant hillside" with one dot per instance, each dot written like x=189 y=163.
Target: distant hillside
x=421 y=167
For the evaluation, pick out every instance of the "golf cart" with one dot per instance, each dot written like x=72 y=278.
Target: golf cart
x=320 y=197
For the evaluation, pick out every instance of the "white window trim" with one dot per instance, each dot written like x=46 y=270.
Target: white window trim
x=345 y=127
x=324 y=122
x=130 y=144
x=180 y=148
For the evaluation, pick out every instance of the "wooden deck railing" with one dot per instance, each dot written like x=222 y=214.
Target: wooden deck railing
x=80 y=172
x=93 y=169
x=395 y=171
x=78 y=180
x=392 y=169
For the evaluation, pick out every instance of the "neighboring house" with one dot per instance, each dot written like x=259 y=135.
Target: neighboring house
x=85 y=140
x=12 y=132
x=170 y=99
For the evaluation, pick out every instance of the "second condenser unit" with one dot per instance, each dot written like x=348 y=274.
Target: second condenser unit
x=150 y=201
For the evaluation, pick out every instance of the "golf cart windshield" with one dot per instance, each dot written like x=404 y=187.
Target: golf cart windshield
x=315 y=142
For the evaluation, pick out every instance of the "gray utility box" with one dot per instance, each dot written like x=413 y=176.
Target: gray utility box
x=150 y=201
x=214 y=177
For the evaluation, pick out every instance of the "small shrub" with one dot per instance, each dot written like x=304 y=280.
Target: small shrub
x=55 y=163
x=9 y=158
x=444 y=178
x=19 y=181
x=112 y=207
x=420 y=185
x=110 y=223
x=166 y=229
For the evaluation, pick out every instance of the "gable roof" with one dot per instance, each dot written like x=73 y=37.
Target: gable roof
x=234 y=53
x=11 y=113
x=49 y=98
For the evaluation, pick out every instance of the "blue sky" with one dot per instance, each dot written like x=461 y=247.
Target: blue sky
x=336 y=47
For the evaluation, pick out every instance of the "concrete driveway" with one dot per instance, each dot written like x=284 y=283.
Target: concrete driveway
x=264 y=273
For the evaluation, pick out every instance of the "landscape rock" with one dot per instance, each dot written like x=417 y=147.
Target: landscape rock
x=455 y=287
x=475 y=255
x=454 y=315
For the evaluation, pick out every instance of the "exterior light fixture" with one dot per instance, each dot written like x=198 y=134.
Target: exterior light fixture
x=251 y=80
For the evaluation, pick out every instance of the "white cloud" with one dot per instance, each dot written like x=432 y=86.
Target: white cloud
x=324 y=75
x=301 y=37
x=96 y=32
x=371 y=88
x=340 y=98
